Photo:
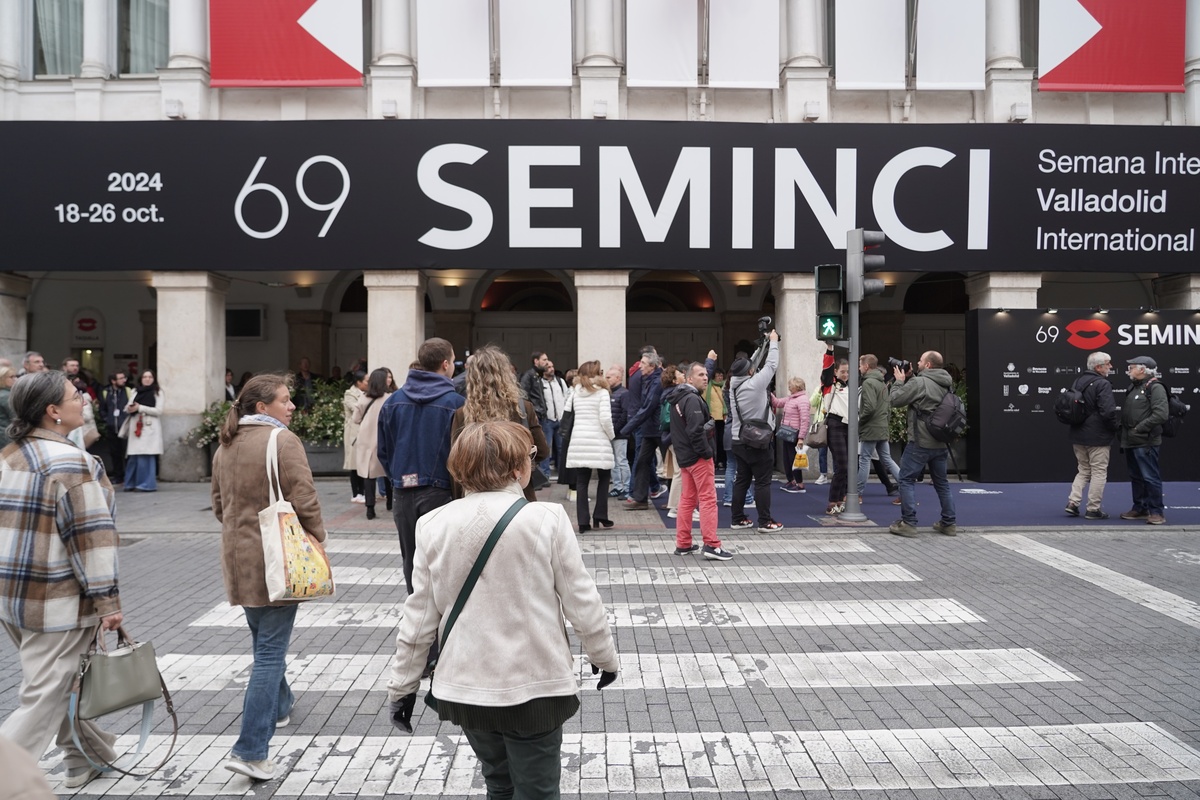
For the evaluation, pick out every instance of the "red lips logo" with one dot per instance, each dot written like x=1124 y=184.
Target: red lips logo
x=86 y=324
x=1088 y=334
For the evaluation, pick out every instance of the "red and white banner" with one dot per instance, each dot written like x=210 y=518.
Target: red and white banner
x=286 y=42
x=1111 y=45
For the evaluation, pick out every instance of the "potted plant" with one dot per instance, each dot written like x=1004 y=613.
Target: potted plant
x=207 y=434
x=320 y=427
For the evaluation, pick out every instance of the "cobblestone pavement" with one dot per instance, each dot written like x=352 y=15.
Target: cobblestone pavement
x=837 y=663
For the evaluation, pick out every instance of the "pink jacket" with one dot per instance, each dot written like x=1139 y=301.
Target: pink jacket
x=796 y=411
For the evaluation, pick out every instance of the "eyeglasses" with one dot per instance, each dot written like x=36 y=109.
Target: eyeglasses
x=533 y=453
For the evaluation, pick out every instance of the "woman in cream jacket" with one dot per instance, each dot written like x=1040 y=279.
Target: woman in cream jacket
x=144 y=440
x=591 y=442
x=506 y=672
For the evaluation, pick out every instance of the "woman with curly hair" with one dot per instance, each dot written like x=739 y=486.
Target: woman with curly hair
x=493 y=394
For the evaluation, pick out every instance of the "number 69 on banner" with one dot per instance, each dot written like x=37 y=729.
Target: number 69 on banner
x=249 y=187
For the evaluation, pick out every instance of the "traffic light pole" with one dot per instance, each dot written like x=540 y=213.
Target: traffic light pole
x=853 y=511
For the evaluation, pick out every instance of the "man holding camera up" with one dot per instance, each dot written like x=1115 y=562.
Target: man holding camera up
x=921 y=393
x=749 y=403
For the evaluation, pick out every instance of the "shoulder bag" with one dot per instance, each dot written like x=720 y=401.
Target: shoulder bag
x=108 y=682
x=756 y=433
x=296 y=565
x=469 y=584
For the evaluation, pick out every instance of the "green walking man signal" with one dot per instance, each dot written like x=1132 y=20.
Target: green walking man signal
x=831 y=300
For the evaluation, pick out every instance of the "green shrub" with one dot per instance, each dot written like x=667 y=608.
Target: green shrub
x=209 y=429
x=322 y=423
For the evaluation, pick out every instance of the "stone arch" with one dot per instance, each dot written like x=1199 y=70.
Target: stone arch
x=524 y=290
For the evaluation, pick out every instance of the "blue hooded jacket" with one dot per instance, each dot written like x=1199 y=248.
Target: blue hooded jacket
x=414 y=430
x=646 y=418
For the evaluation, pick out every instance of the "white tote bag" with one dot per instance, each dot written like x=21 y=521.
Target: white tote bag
x=296 y=565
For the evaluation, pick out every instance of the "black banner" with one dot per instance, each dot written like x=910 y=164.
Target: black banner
x=1022 y=360
x=562 y=194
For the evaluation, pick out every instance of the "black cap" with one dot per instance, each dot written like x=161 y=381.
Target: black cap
x=740 y=368
x=1144 y=361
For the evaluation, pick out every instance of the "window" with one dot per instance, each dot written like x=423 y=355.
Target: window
x=142 y=36
x=245 y=322
x=57 y=37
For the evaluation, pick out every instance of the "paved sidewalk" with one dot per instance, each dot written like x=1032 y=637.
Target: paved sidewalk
x=1008 y=664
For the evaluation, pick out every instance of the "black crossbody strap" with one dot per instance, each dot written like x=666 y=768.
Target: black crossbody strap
x=477 y=569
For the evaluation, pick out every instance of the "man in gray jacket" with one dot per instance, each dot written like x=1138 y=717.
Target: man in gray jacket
x=748 y=400
x=922 y=392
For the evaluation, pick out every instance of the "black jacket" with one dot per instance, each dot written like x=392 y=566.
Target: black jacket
x=531 y=382
x=1103 y=419
x=620 y=411
x=691 y=425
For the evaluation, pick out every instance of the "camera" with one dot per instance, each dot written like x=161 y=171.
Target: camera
x=905 y=366
x=759 y=358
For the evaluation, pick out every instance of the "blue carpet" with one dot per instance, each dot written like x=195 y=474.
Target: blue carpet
x=978 y=504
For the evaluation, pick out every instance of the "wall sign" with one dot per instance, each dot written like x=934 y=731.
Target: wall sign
x=1021 y=360
x=431 y=194
x=87 y=328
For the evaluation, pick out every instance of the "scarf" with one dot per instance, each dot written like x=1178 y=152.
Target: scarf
x=145 y=396
x=260 y=419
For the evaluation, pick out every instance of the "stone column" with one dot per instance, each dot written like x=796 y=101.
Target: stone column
x=184 y=82
x=1180 y=292
x=308 y=337
x=800 y=351
x=191 y=362
x=1191 y=75
x=96 y=57
x=14 y=317
x=602 y=293
x=599 y=72
x=393 y=76
x=1003 y=289
x=395 y=318
x=1008 y=83
x=805 y=74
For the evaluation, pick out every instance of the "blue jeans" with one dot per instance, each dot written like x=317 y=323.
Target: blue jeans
x=730 y=476
x=1145 y=479
x=620 y=472
x=823 y=459
x=550 y=429
x=139 y=474
x=268 y=696
x=916 y=458
x=885 y=458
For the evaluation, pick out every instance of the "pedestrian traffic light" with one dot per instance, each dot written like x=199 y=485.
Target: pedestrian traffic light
x=831 y=300
x=858 y=261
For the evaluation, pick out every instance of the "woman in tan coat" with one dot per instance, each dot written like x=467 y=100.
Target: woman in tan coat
x=239 y=491
x=366 y=447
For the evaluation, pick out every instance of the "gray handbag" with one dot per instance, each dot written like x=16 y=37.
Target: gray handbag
x=112 y=681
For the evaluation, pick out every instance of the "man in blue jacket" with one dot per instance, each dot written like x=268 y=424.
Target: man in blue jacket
x=414 y=442
x=647 y=422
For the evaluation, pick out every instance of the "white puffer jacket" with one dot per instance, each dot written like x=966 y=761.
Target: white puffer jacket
x=592 y=434
x=510 y=644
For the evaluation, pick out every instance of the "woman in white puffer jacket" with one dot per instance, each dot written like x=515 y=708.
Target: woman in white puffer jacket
x=591 y=442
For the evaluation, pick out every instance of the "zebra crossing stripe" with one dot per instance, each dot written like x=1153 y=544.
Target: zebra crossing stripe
x=709 y=762
x=640 y=545
x=938 y=611
x=1164 y=602
x=352 y=673
x=685 y=575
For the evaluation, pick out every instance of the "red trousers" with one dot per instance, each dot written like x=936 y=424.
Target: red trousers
x=700 y=490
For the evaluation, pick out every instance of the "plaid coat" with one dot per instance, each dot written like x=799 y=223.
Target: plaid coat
x=58 y=536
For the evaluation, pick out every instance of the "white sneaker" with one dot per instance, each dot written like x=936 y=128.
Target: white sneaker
x=748 y=504
x=358 y=498
x=80 y=776
x=672 y=513
x=696 y=515
x=256 y=770
x=821 y=481
x=283 y=723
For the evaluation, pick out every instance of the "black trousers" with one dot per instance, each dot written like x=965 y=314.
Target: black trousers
x=839 y=441
x=356 y=484
x=753 y=464
x=583 y=476
x=410 y=505
x=643 y=468
x=524 y=765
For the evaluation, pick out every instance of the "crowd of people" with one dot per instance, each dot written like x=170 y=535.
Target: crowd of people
x=458 y=456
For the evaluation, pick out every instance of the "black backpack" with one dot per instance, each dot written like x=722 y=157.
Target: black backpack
x=1070 y=407
x=948 y=420
x=1176 y=410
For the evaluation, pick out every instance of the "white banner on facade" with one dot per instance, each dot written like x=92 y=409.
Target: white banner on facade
x=869 y=44
x=743 y=44
x=535 y=43
x=951 y=37
x=453 y=43
x=661 y=39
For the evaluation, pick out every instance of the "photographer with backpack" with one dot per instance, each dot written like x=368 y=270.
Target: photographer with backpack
x=1094 y=420
x=1143 y=414
x=922 y=392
